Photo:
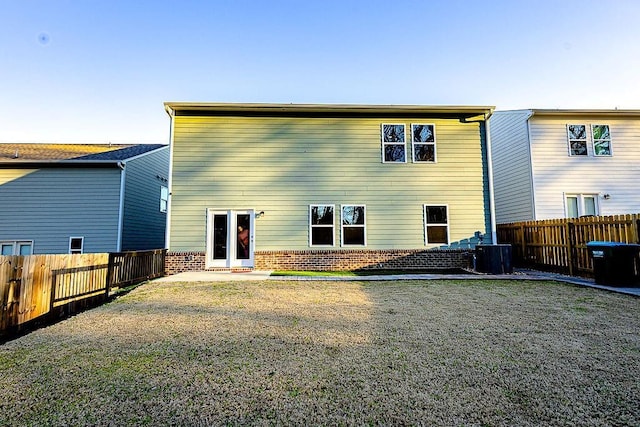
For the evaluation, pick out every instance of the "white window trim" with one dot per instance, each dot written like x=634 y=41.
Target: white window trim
x=16 y=244
x=81 y=243
x=581 y=197
x=426 y=225
x=164 y=198
x=364 y=226
x=332 y=226
x=594 y=141
x=393 y=143
x=586 y=140
x=434 y=143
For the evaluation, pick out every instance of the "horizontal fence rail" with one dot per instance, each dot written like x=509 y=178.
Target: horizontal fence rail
x=73 y=283
x=32 y=286
x=561 y=244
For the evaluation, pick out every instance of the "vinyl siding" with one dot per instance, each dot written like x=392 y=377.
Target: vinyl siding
x=513 y=189
x=50 y=205
x=143 y=223
x=282 y=165
x=556 y=173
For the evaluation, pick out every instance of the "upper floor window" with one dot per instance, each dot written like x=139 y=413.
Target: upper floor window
x=16 y=248
x=578 y=140
x=321 y=224
x=76 y=245
x=423 y=140
x=601 y=140
x=164 y=198
x=578 y=205
x=354 y=225
x=393 y=143
x=436 y=223
x=577 y=135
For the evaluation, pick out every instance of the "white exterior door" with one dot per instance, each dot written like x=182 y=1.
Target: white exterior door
x=230 y=241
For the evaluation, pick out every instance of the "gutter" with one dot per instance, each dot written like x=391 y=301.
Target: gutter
x=30 y=164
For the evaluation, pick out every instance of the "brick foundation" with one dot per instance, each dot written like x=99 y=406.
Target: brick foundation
x=391 y=259
x=178 y=262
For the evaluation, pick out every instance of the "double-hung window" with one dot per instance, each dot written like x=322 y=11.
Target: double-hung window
x=601 y=140
x=393 y=143
x=353 y=225
x=164 y=198
x=423 y=141
x=76 y=245
x=577 y=135
x=321 y=224
x=436 y=223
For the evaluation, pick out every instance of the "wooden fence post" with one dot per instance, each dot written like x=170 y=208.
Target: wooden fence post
x=110 y=268
x=523 y=245
x=571 y=242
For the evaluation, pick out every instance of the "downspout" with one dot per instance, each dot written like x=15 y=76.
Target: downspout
x=167 y=238
x=123 y=172
x=492 y=201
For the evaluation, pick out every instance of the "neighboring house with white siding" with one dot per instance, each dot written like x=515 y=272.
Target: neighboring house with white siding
x=565 y=163
x=82 y=198
x=326 y=186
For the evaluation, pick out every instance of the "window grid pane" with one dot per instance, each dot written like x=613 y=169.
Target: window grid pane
x=321 y=221
x=423 y=142
x=577 y=135
x=572 y=207
x=353 y=225
x=601 y=140
x=589 y=206
x=436 y=224
x=393 y=143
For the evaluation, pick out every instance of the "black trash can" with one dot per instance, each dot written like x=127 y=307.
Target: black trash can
x=494 y=259
x=615 y=264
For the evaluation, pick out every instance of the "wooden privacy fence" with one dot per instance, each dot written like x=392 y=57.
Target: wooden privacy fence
x=561 y=244
x=36 y=285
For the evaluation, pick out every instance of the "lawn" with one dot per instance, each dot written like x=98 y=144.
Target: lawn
x=333 y=353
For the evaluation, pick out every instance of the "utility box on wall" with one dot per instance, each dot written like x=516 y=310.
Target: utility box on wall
x=494 y=259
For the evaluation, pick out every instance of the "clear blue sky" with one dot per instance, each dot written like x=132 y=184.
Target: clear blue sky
x=99 y=71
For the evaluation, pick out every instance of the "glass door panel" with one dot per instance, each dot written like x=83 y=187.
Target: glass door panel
x=243 y=222
x=220 y=236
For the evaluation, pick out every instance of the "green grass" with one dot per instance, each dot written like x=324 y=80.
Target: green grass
x=312 y=273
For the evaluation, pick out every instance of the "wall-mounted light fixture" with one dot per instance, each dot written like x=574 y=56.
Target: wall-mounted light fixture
x=260 y=214
x=606 y=196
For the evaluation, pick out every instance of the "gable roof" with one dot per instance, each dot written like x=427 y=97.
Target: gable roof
x=322 y=110
x=22 y=155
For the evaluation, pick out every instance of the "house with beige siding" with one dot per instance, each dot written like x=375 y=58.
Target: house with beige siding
x=326 y=187
x=565 y=163
x=82 y=198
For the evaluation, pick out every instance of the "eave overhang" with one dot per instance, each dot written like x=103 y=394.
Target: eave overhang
x=324 y=110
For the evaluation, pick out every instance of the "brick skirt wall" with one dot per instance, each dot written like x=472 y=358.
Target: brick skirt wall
x=391 y=259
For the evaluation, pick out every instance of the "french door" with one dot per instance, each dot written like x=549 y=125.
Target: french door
x=230 y=240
